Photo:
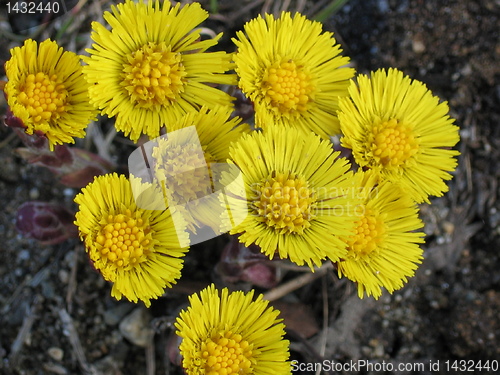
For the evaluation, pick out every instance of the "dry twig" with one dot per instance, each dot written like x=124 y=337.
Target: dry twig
x=74 y=340
x=150 y=357
x=23 y=333
x=324 y=296
x=72 y=281
x=288 y=287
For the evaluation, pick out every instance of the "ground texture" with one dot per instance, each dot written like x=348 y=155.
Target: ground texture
x=56 y=314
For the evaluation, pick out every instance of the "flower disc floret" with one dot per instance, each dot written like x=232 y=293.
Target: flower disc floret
x=226 y=353
x=393 y=144
x=44 y=97
x=124 y=241
x=285 y=203
x=154 y=75
x=369 y=233
x=287 y=88
x=176 y=163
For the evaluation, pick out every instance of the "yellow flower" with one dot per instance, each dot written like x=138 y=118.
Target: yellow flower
x=299 y=195
x=47 y=91
x=383 y=248
x=397 y=128
x=138 y=250
x=226 y=333
x=151 y=68
x=293 y=72
x=186 y=160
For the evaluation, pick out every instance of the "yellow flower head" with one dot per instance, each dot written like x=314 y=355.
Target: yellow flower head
x=226 y=333
x=47 y=91
x=293 y=72
x=138 y=250
x=383 y=248
x=151 y=67
x=396 y=127
x=184 y=161
x=299 y=195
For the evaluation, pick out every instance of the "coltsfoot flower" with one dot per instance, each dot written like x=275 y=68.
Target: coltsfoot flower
x=293 y=72
x=229 y=333
x=151 y=68
x=46 y=90
x=137 y=250
x=299 y=195
x=398 y=129
x=383 y=249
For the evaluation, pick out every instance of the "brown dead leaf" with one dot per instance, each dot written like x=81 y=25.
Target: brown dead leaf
x=297 y=317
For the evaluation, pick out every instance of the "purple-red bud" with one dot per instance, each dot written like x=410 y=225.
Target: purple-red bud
x=248 y=264
x=46 y=222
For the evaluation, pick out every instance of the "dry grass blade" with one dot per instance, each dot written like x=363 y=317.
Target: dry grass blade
x=329 y=10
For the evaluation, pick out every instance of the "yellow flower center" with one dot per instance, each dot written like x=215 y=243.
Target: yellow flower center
x=183 y=182
x=123 y=241
x=226 y=353
x=369 y=233
x=284 y=203
x=392 y=143
x=287 y=87
x=44 y=97
x=153 y=75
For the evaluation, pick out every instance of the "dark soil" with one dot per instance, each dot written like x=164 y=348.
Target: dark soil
x=56 y=313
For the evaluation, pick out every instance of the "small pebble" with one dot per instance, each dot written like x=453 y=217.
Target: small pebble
x=34 y=193
x=23 y=255
x=448 y=227
x=114 y=315
x=383 y=6
x=68 y=192
x=418 y=45
x=379 y=350
x=56 y=353
x=69 y=257
x=63 y=276
x=135 y=327
x=48 y=289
